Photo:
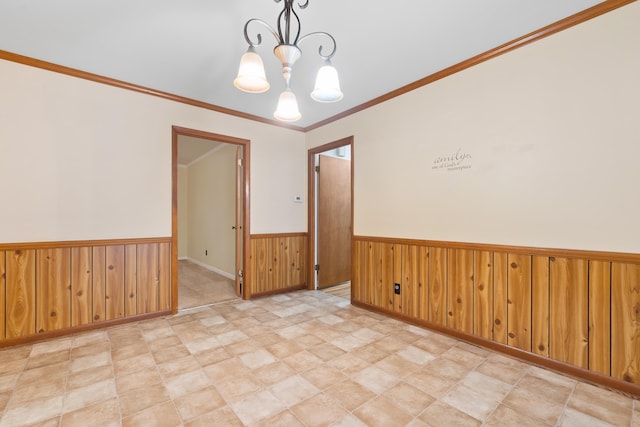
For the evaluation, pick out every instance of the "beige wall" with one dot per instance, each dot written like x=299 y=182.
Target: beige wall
x=82 y=160
x=553 y=133
x=183 y=211
x=212 y=198
x=551 y=130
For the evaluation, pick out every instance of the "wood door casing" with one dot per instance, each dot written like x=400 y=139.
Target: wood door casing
x=239 y=211
x=245 y=190
x=334 y=221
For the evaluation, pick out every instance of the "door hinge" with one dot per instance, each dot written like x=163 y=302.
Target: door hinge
x=317 y=169
x=240 y=162
x=317 y=267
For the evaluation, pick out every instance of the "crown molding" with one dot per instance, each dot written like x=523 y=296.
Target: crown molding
x=49 y=66
x=556 y=27
x=563 y=24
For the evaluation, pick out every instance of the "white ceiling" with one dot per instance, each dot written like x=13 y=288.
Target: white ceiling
x=192 y=48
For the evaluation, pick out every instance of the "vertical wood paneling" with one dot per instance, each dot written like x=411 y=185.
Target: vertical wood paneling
x=164 y=284
x=500 y=296
x=357 y=269
x=56 y=288
x=600 y=317
x=2 y=295
x=81 y=286
x=519 y=301
x=260 y=265
x=460 y=290
x=368 y=273
x=298 y=255
x=275 y=255
x=584 y=313
x=386 y=274
x=625 y=322
x=99 y=283
x=114 y=282
x=301 y=265
x=53 y=289
x=131 y=280
x=540 y=305
x=483 y=294
x=375 y=278
x=568 y=316
x=279 y=262
x=20 y=293
x=397 y=276
x=147 y=278
x=284 y=263
x=438 y=285
x=410 y=290
x=423 y=310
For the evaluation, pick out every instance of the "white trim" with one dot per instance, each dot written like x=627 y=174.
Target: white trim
x=183 y=258
x=212 y=268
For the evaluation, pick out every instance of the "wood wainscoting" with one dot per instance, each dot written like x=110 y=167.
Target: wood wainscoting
x=277 y=263
x=58 y=288
x=574 y=311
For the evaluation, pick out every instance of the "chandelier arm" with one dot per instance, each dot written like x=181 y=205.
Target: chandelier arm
x=259 y=36
x=322 y=33
x=285 y=17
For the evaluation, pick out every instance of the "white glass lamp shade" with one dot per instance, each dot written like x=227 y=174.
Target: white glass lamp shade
x=327 y=87
x=287 y=110
x=251 y=77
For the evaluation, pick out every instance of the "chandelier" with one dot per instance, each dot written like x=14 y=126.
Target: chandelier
x=251 y=76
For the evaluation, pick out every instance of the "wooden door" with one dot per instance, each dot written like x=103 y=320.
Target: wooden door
x=334 y=221
x=239 y=273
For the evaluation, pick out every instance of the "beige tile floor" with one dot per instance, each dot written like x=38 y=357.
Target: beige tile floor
x=301 y=359
x=343 y=290
x=198 y=286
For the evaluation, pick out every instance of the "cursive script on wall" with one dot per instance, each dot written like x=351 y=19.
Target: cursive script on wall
x=458 y=161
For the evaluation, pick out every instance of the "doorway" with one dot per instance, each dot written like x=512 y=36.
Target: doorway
x=230 y=228
x=331 y=215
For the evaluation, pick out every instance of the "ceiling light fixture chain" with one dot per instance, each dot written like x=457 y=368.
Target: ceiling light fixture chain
x=252 y=78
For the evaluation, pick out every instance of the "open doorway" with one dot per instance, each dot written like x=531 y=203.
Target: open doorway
x=209 y=220
x=331 y=216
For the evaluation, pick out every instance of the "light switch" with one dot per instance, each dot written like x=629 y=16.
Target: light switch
x=297 y=199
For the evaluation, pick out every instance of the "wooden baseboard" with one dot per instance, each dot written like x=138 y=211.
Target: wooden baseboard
x=79 y=329
x=216 y=270
x=50 y=289
x=563 y=368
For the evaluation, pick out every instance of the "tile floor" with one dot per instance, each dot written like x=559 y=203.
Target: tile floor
x=198 y=286
x=343 y=290
x=301 y=359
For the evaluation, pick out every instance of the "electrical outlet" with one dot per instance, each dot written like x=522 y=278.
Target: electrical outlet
x=396 y=288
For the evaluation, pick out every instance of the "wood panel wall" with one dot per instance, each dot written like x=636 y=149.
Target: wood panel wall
x=53 y=287
x=277 y=263
x=577 y=308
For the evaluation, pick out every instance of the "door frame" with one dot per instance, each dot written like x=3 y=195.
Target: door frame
x=246 y=144
x=311 y=206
